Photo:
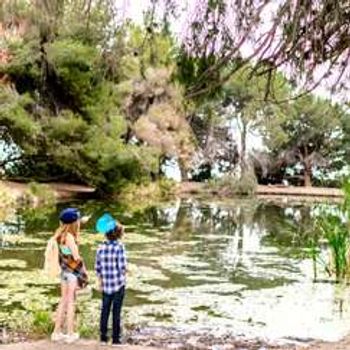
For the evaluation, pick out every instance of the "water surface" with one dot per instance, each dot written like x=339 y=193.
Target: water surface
x=240 y=267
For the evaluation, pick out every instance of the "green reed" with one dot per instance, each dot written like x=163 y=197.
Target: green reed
x=334 y=228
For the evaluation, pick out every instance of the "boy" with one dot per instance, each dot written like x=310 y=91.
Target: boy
x=110 y=267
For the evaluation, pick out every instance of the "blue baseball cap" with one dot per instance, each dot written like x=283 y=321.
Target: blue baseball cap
x=69 y=215
x=106 y=223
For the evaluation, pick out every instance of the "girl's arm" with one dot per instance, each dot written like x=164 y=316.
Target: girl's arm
x=70 y=242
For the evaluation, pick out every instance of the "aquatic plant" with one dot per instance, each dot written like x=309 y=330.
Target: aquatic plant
x=334 y=228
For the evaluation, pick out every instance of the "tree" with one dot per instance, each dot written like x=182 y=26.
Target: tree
x=307 y=132
x=156 y=117
x=244 y=104
x=89 y=100
x=217 y=147
x=61 y=111
x=307 y=39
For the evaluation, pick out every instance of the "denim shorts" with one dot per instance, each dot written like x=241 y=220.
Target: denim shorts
x=68 y=277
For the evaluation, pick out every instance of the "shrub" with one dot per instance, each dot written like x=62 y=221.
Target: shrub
x=39 y=194
x=7 y=203
x=42 y=322
x=230 y=185
x=138 y=196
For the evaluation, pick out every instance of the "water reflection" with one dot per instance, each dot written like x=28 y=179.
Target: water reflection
x=236 y=265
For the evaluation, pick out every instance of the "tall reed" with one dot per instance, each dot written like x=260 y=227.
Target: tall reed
x=334 y=227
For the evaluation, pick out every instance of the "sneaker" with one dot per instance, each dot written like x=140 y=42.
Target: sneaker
x=58 y=337
x=103 y=343
x=71 y=338
x=117 y=345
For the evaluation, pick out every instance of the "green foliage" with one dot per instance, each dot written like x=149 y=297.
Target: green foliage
x=334 y=227
x=7 y=203
x=15 y=120
x=43 y=193
x=136 y=197
x=74 y=76
x=74 y=64
x=233 y=185
x=42 y=322
x=94 y=102
x=23 y=66
x=307 y=131
x=191 y=73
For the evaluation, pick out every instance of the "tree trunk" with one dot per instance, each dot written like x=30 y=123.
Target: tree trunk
x=307 y=176
x=307 y=168
x=183 y=170
x=243 y=148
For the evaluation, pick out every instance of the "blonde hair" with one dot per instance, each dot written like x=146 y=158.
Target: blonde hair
x=63 y=230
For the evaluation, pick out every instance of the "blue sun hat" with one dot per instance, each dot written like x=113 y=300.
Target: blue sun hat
x=106 y=223
x=69 y=215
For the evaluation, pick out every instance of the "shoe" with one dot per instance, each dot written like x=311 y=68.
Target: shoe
x=117 y=345
x=103 y=343
x=58 y=336
x=71 y=338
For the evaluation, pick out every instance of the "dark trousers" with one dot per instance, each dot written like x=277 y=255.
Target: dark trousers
x=115 y=301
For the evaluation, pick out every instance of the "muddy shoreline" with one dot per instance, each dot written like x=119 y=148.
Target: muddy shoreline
x=175 y=339
x=269 y=192
x=169 y=338
x=62 y=191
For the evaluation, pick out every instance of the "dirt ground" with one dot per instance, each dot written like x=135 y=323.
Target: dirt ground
x=93 y=345
x=64 y=191
x=61 y=190
x=186 y=188
x=81 y=345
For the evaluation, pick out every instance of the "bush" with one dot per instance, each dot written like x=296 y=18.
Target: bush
x=39 y=194
x=230 y=185
x=138 y=196
x=42 y=322
x=7 y=203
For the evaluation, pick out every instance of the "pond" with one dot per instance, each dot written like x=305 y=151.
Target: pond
x=237 y=266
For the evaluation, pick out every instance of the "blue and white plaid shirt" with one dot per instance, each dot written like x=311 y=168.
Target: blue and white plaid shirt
x=110 y=266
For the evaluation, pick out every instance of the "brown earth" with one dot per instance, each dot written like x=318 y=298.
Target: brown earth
x=268 y=192
x=80 y=345
x=93 y=345
x=68 y=191
x=62 y=191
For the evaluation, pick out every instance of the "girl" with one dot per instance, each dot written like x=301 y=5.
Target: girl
x=73 y=273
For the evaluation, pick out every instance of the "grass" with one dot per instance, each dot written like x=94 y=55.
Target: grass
x=42 y=322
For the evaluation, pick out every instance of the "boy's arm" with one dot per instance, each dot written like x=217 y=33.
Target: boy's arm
x=122 y=263
x=98 y=269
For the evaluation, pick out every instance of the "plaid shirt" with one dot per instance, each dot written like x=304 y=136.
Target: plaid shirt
x=110 y=266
